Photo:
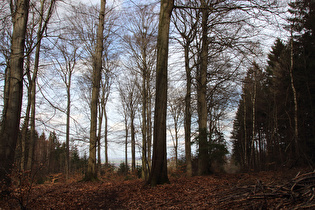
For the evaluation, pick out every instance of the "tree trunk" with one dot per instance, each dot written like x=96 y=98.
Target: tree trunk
x=100 y=121
x=126 y=146
x=245 y=134
x=188 y=113
x=32 y=119
x=201 y=94
x=97 y=69
x=27 y=116
x=253 y=162
x=149 y=123
x=68 y=125
x=176 y=141
x=105 y=137
x=42 y=26
x=158 y=173
x=133 y=142
x=296 y=131
x=12 y=112
x=144 y=124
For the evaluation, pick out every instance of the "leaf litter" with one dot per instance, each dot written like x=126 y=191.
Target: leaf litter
x=286 y=189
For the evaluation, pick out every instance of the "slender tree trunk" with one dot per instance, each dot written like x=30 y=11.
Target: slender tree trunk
x=260 y=149
x=149 y=122
x=32 y=122
x=188 y=113
x=42 y=26
x=105 y=137
x=202 y=95
x=126 y=145
x=253 y=162
x=133 y=142
x=100 y=121
x=68 y=125
x=27 y=116
x=97 y=69
x=158 y=173
x=6 y=91
x=144 y=109
x=176 y=142
x=144 y=157
x=296 y=131
x=12 y=112
x=144 y=125
x=245 y=133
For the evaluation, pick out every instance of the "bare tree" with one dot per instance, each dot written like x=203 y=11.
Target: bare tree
x=83 y=24
x=97 y=69
x=158 y=173
x=214 y=41
x=176 y=109
x=67 y=54
x=130 y=100
x=201 y=92
x=106 y=83
x=42 y=27
x=186 y=22
x=12 y=109
x=140 y=42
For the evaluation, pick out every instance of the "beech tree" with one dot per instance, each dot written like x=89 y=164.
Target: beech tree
x=65 y=61
x=218 y=48
x=83 y=25
x=97 y=69
x=186 y=22
x=158 y=173
x=11 y=114
x=38 y=21
x=140 y=45
x=175 y=109
x=130 y=102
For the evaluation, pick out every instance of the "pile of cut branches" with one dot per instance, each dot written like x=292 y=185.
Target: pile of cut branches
x=298 y=193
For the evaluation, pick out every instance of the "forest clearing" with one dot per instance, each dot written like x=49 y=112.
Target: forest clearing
x=285 y=189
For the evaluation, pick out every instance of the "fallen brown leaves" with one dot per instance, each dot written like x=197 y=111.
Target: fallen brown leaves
x=224 y=191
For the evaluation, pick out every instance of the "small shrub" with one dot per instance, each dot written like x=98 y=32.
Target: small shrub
x=123 y=169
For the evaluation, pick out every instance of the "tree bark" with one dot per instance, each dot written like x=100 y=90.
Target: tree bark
x=253 y=159
x=245 y=134
x=133 y=141
x=126 y=146
x=176 y=139
x=27 y=115
x=188 y=113
x=11 y=117
x=97 y=69
x=202 y=96
x=158 y=173
x=68 y=124
x=149 y=122
x=144 y=120
x=99 y=130
x=105 y=137
x=296 y=131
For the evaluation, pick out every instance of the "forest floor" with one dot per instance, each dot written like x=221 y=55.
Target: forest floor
x=262 y=190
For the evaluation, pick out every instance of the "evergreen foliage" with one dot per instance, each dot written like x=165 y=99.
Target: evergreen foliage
x=273 y=144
